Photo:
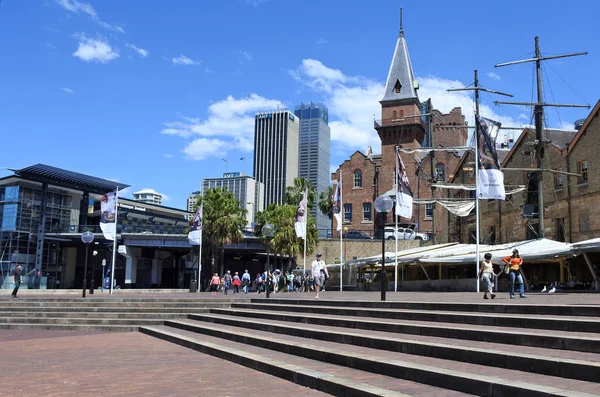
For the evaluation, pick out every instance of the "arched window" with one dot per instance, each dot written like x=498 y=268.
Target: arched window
x=394 y=115
x=358 y=178
x=401 y=114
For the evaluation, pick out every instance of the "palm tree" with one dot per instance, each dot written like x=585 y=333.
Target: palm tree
x=293 y=194
x=326 y=202
x=223 y=221
x=285 y=241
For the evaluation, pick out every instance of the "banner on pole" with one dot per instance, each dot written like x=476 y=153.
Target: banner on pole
x=195 y=233
x=108 y=213
x=490 y=178
x=337 y=205
x=404 y=195
x=300 y=217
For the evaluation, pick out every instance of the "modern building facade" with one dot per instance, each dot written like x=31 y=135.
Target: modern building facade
x=276 y=140
x=149 y=196
x=314 y=154
x=192 y=201
x=245 y=189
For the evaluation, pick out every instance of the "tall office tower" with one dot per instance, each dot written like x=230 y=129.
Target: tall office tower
x=192 y=201
x=246 y=190
x=314 y=157
x=276 y=152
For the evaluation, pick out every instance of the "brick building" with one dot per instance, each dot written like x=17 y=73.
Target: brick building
x=409 y=124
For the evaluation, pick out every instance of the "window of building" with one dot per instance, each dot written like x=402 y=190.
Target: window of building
x=401 y=114
x=584 y=222
x=394 y=115
x=440 y=172
x=429 y=210
x=397 y=86
x=559 y=180
x=583 y=171
x=367 y=212
x=560 y=229
x=347 y=212
x=358 y=179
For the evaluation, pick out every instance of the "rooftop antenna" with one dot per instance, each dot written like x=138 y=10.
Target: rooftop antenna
x=401 y=27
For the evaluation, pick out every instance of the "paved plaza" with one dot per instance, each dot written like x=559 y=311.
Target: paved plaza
x=73 y=363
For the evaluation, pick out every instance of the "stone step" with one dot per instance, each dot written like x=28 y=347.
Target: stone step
x=489 y=307
x=114 y=309
x=70 y=327
x=325 y=377
x=563 y=323
x=582 y=342
x=80 y=321
x=85 y=314
x=458 y=376
x=85 y=304
x=574 y=365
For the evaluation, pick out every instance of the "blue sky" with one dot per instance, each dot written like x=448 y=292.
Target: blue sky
x=155 y=94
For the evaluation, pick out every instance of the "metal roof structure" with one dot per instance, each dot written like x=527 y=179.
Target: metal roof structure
x=401 y=84
x=68 y=179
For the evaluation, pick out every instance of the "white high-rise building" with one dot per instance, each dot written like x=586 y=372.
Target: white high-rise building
x=245 y=189
x=276 y=140
x=149 y=196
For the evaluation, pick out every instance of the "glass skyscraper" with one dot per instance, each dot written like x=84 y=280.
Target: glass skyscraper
x=313 y=154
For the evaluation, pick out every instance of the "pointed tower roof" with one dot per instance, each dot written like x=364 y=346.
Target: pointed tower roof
x=401 y=85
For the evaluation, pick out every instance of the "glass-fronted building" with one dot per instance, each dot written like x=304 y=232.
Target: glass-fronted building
x=314 y=154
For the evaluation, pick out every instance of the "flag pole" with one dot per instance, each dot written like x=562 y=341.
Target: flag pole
x=477 y=183
x=305 y=229
x=114 y=255
x=199 y=285
x=395 y=226
x=341 y=230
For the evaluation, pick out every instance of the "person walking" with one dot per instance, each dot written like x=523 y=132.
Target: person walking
x=214 y=284
x=17 y=279
x=227 y=281
x=236 y=283
x=486 y=273
x=317 y=266
x=514 y=264
x=245 y=281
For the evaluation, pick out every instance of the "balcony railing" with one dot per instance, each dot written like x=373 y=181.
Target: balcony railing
x=399 y=122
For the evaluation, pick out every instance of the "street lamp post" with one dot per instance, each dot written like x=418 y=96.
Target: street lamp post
x=94 y=254
x=267 y=231
x=87 y=238
x=383 y=204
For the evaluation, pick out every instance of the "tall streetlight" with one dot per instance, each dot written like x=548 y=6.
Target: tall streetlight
x=268 y=231
x=383 y=205
x=87 y=238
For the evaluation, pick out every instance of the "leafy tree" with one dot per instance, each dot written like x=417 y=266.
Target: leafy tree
x=293 y=194
x=285 y=241
x=326 y=202
x=223 y=220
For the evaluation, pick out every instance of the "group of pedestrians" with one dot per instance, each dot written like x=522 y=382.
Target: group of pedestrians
x=218 y=284
x=512 y=267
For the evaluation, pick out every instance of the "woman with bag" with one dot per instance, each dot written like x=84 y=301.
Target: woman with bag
x=214 y=284
x=486 y=272
x=513 y=267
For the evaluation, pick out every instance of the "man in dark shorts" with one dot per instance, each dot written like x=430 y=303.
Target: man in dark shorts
x=17 y=279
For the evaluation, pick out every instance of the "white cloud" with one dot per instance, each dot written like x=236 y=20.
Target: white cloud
x=67 y=90
x=142 y=52
x=183 y=60
x=168 y=156
x=229 y=124
x=77 y=7
x=246 y=55
x=493 y=75
x=95 y=50
x=322 y=41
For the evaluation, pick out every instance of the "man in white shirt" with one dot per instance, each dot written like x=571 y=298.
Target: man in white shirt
x=317 y=266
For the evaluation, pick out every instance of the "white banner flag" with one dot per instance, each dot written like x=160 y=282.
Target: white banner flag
x=490 y=179
x=300 y=218
x=108 y=213
x=404 y=196
x=337 y=204
x=195 y=233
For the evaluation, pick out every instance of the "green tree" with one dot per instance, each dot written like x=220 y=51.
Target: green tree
x=293 y=194
x=222 y=223
x=326 y=202
x=285 y=242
